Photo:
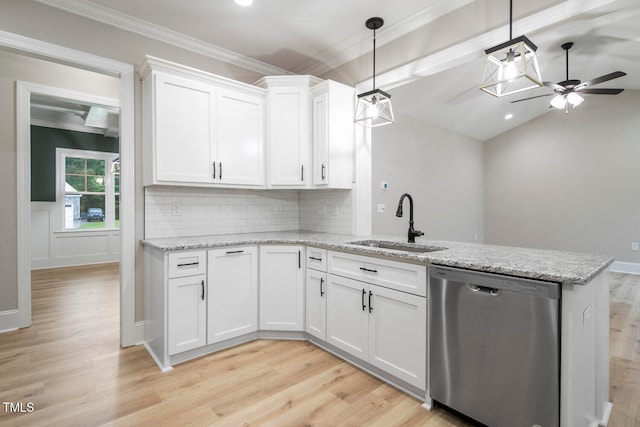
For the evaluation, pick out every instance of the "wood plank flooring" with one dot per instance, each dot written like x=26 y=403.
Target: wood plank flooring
x=70 y=366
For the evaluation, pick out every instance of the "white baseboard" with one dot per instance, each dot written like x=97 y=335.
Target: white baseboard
x=8 y=320
x=138 y=337
x=625 y=267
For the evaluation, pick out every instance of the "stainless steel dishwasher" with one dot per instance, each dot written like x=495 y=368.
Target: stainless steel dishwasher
x=494 y=347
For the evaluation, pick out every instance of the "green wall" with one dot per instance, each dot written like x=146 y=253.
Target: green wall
x=44 y=142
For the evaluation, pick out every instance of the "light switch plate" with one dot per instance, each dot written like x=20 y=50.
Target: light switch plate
x=380 y=208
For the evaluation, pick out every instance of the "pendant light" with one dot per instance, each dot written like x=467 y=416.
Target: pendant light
x=511 y=67
x=374 y=107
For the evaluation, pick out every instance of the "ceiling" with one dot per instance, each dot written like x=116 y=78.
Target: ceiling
x=315 y=37
x=73 y=115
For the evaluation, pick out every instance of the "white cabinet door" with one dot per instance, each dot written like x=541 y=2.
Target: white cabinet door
x=233 y=293
x=187 y=313
x=316 y=303
x=320 y=138
x=184 y=130
x=281 y=288
x=347 y=315
x=240 y=138
x=333 y=135
x=398 y=334
x=289 y=139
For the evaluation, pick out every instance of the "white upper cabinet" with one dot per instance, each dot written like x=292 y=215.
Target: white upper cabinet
x=182 y=129
x=332 y=134
x=288 y=130
x=200 y=129
x=240 y=141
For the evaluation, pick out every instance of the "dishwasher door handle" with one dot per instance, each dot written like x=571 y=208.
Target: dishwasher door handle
x=494 y=292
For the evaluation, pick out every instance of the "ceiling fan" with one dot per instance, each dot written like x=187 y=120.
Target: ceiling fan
x=567 y=93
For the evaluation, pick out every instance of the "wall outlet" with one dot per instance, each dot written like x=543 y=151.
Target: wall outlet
x=176 y=209
x=322 y=209
x=380 y=208
x=277 y=209
x=634 y=246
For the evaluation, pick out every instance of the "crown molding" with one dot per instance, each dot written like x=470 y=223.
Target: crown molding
x=120 y=20
x=352 y=47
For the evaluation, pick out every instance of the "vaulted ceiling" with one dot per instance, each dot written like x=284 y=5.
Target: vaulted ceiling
x=430 y=52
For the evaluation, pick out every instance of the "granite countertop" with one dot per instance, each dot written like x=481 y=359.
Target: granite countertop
x=554 y=266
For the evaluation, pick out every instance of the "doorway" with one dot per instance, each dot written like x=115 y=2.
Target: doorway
x=130 y=332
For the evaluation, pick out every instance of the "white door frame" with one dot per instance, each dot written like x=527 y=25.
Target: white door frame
x=129 y=333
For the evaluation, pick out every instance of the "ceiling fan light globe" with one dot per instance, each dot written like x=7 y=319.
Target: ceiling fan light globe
x=574 y=99
x=559 y=102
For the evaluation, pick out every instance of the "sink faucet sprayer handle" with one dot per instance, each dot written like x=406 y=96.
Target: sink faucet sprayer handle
x=411 y=235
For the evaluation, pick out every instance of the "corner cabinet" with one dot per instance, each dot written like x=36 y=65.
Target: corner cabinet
x=288 y=130
x=200 y=129
x=333 y=135
x=232 y=302
x=281 y=288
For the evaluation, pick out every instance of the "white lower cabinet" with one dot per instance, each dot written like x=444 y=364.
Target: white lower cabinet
x=187 y=313
x=383 y=326
x=232 y=300
x=281 y=288
x=316 y=303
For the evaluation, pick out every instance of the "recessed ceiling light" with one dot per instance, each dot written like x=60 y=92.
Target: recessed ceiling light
x=508 y=116
x=244 y=3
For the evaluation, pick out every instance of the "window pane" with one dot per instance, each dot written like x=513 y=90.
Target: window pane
x=74 y=165
x=117 y=222
x=76 y=181
x=95 y=184
x=93 y=207
x=116 y=183
x=95 y=167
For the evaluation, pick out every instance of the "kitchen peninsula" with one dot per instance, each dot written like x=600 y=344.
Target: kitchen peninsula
x=361 y=270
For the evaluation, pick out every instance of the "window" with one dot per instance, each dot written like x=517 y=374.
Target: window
x=89 y=191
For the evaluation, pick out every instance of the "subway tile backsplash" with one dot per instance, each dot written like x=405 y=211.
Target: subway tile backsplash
x=328 y=211
x=185 y=211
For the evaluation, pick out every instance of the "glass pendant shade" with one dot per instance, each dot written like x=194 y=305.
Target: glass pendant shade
x=374 y=109
x=511 y=67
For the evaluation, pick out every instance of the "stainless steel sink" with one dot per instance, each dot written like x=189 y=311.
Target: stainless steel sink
x=397 y=246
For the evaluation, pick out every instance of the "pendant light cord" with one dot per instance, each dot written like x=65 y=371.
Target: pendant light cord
x=374 y=59
x=510 y=20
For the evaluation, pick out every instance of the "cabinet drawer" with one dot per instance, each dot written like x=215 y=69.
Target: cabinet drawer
x=183 y=264
x=317 y=259
x=397 y=275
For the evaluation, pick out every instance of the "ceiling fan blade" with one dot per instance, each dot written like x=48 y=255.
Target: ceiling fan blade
x=602 y=79
x=600 y=91
x=554 y=86
x=531 y=97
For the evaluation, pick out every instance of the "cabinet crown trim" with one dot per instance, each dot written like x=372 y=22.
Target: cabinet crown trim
x=152 y=63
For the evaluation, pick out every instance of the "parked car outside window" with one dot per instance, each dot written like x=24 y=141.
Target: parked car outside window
x=95 y=214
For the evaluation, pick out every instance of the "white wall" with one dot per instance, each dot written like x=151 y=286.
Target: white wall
x=569 y=181
x=442 y=171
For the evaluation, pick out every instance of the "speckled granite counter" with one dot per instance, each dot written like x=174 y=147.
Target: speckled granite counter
x=554 y=266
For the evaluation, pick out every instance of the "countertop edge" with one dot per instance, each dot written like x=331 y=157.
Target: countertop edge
x=341 y=243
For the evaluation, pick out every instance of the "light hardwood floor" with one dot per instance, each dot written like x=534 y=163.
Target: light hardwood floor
x=70 y=366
